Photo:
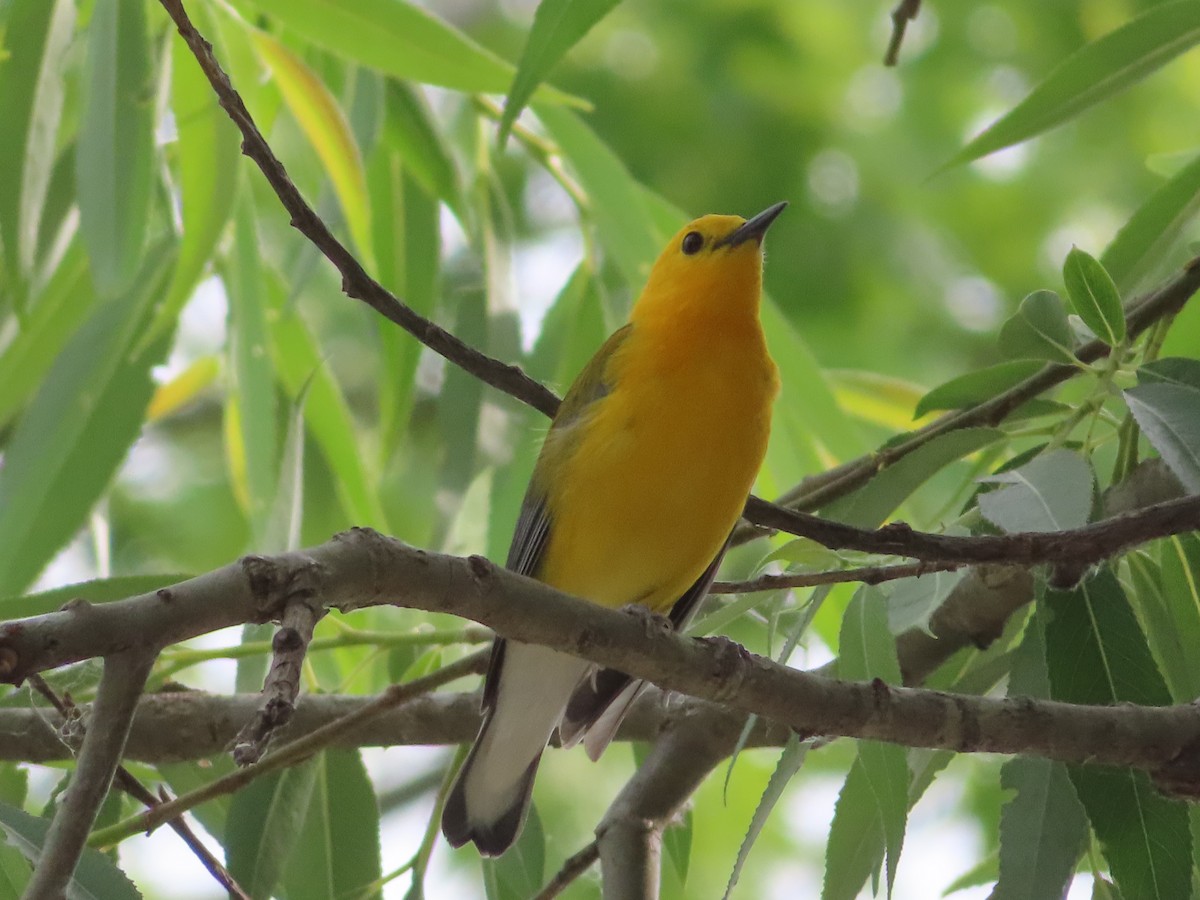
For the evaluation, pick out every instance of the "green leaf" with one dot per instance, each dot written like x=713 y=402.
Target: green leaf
x=1171 y=370
x=1168 y=605
x=183 y=777
x=867 y=651
x=95 y=878
x=1043 y=827
x=411 y=131
x=1094 y=296
x=31 y=103
x=1143 y=240
x=975 y=387
x=875 y=501
x=1094 y=72
x=519 y=873
x=264 y=825
x=558 y=25
x=1051 y=492
x=207 y=149
x=397 y=38
x=677 y=841
x=325 y=126
x=1038 y=330
x=1096 y=654
x=84 y=418
x=911 y=602
x=1169 y=416
x=337 y=853
x=790 y=761
x=116 y=145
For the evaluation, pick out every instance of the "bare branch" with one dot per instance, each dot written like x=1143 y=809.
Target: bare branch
x=116 y=699
x=575 y=865
x=905 y=12
x=866 y=575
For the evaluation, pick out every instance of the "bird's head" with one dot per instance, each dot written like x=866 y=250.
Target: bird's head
x=713 y=261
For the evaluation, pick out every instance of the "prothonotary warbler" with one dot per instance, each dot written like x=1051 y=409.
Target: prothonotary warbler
x=639 y=483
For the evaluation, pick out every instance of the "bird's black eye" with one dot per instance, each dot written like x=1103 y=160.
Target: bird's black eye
x=692 y=242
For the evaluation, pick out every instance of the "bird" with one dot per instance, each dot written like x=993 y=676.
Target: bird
x=637 y=487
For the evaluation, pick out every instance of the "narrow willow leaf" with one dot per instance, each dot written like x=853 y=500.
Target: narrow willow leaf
x=400 y=39
x=1169 y=416
x=867 y=651
x=1094 y=296
x=1043 y=827
x=875 y=398
x=1168 y=606
x=82 y=421
x=31 y=103
x=1038 y=330
x=95 y=878
x=1142 y=242
x=264 y=824
x=558 y=25
x=207 y=150
x=790 y=761
x=871 y=504
x=519 y=873
x=183 y=777
x=1096 y=654
x=1094 y=72
x=325 y=126
x=337 y=853
x=184 y=388
x=411 y=130
x=1052 y=492
x=975 y=387
x=116 y=145
x=100 y=590
x=1171 y=370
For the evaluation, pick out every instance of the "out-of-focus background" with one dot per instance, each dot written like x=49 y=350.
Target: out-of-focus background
x=146 y=262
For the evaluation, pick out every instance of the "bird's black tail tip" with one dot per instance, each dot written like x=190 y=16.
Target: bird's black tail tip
x=490 y=838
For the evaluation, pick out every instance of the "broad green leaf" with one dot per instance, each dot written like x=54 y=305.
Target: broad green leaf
x=297 y=360
x=1096 y=653
x=251 y=439
x=264 y=825
x=1153 y=228
x=975 y=387
x=1094 y=72
x=1171 y=370
x=100 y=590
x=1051 y=492
x=410 y=129
x=790 y=761
x=986 y=871
x=115 y=153
x=83 y=419
x=1094 y=296
x=95 y=878
x=520 y=872
x=1038 y=330
x=337 y=853
x=867 y=651
x=325 y=126
x=15 y=871
x=911 y=602
x=1169 y=416
x=1043 y=827
x=31 y=103
x=207 y=152
x=57 y=310
x=871 y=504
x=397 y=38
x=1168 y=605
x=558 y=25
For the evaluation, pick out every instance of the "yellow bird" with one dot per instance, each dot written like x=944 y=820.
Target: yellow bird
x=639 y=483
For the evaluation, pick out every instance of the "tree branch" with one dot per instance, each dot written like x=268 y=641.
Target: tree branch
x=120 y=686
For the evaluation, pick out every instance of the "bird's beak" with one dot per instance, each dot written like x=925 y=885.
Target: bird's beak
x=754 y=229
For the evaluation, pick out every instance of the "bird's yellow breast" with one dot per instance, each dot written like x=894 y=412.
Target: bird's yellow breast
x=659 y=469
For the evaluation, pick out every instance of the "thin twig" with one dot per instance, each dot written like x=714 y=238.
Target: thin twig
x=574 y=866
x=865 y=575
x=282 y=684
x=116 y=699
x=905 y=12
x=129 y=783
x=356 y=283
x=289 y=754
